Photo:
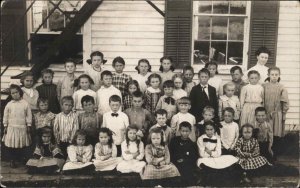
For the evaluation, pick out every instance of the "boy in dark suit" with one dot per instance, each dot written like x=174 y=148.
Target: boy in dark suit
x=203 y=95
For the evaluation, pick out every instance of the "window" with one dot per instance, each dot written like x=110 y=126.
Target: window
x=220 y=32
x=60 y=17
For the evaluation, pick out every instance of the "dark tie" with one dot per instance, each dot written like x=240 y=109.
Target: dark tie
x=114 y=114
x=170 y=100
x=204 y=93
x=209 y=140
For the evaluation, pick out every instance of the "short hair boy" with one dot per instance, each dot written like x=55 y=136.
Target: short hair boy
x=116 y=121
x=119 y=78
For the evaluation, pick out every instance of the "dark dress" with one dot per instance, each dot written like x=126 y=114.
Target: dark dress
x=184 y=154
x=48 y=91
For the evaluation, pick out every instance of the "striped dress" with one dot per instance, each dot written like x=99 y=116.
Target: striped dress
x=151 y=99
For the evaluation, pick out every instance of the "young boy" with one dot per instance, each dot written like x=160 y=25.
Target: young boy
x=139 y=116
x=229 y=100
x=120 y=79
x=184 y=105
x=203 y=95
x=229 y=132
x=116 y=121
x=65 y=86
x=184 y=153
x=236 y=75
x=105 y=92
x=65 y=124
x=161 y=119
x=208 y=114
x=167 y=101
x=265 y=133
x=90 y=120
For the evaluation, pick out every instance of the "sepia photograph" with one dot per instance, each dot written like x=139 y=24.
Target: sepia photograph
x=150 y=93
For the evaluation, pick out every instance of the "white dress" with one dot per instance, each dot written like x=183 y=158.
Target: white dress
x=108 y=164
x=86 y=152
x=141 y=80
x=178 y=93
x=215 y=160
x=128 y=164
x=216 y=82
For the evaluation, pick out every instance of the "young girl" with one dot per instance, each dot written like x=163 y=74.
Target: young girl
x=144 y=71
x=47 y=157
x=95 y=69
x=188 y=75
x=106 y=151
x=48 y=90
x=276 y=101
x=247 y=149
x=211 y=160
x=252 y=96
x=166 y=69
x=79 y=155
x=17 y=121
x=153 y=92
x=132 y=152
x=178 y=91
x=214 y=80
x=132 y=86
x=31 y=95
x=44 y=117
x=84 y=88
x=158 y=158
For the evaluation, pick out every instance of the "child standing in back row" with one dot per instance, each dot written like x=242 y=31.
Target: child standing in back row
x=49 y=90
x=236 y=75
x=144 y=71
x=120 y=79
x=95 y=69
x=65 y=86
x=252 y=96
x=30 y=95
x=214 y=80
x=178 y=87
x=166 y=69
x=188 y=75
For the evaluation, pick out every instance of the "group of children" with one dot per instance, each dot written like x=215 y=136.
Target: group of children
x=160 y=125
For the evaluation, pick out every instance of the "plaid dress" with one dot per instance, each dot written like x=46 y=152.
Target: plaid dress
x=151 y=99
x=127 y=102
x=152 y=171
x=251 y=146
x=120 y=81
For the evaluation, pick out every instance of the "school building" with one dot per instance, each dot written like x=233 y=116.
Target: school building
x=192 y=32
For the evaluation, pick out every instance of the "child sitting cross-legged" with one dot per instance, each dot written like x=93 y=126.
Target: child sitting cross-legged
x=47 y=157
x=158 y=159
x=106 y=151
x=79 y=155
x=184 y=153
x=132 y=152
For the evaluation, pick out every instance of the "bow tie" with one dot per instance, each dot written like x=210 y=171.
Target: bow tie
x=114 y=114
x=209 y=140
x=170 y=100
x=164 y=127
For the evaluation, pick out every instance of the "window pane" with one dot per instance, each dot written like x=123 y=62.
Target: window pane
x=236 y=28
x=219 y=28
x=204 y=28
x=205 y=6
x=238 y=7
x=201 y=52
x=220 y=7
x=235 y=53
x=218 y=52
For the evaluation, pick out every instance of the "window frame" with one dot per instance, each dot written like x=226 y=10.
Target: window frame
x=222 y=69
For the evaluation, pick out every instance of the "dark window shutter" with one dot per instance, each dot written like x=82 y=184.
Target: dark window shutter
x=178 y=31
x=263 y=29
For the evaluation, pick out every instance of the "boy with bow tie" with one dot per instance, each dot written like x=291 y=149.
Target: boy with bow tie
x=167 y=101
x=116 y=121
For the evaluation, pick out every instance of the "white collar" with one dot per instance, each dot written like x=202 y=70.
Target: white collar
x=206 y=86
x=152 y=90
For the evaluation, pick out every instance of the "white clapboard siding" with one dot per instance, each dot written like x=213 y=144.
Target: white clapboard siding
x=288 y=55
x=130 y=29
